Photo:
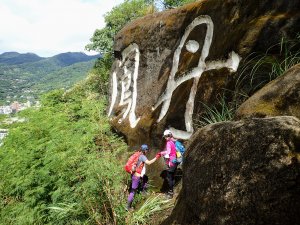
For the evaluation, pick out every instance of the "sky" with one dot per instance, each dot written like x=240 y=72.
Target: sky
x=50 y=27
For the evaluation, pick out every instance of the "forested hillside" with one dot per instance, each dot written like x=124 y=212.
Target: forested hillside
x=28 y=75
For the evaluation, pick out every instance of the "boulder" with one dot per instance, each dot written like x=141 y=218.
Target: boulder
x=168 y=64
x=279 y=97
x=244 y=172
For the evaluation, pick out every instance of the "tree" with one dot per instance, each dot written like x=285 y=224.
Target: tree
x=168 y=4
x=102 y=40
x=119 y=16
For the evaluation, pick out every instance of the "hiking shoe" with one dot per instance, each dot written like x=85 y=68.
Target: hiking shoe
x=130 y=209
x=169 y=195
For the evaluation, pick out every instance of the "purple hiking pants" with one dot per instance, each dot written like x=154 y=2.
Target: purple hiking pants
x=135 y=184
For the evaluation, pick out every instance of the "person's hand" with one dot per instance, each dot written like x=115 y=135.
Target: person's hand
x=158 y=155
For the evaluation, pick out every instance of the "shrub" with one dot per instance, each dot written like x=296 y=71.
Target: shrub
x=61 y=166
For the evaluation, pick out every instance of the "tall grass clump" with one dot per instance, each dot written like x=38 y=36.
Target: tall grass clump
x=221 y=111
x=152 y=206
x=260 y=69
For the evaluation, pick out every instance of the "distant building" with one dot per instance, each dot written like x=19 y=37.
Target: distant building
x=15 y=107
x=5 y=110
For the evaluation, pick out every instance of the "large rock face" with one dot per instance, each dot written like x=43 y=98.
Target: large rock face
x=279 y=97
x=168 y=63
x=244 y=172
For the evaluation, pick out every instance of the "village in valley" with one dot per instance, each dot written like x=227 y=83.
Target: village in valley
x=14 y=107
x=10 y=110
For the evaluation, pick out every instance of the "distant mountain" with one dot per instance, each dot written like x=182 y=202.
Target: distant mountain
x=64 y=77
x=70 y=58
x=15 y=58
x=27 y=75
x=62 y=59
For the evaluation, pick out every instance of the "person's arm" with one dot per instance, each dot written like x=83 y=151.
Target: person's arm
x=148 y=162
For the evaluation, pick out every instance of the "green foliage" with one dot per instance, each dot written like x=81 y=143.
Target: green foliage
x=30 y=79
x=52 y=98
x=2 y=117
x=175 y=3
x=102 y=40
x=102 y=71
x=61 y=166
x=160 y=5
x=64 y=77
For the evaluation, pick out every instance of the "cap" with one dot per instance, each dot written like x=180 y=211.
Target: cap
x=167 y=133
x=144 y=147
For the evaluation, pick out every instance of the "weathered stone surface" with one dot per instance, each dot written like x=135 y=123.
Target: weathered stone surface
x=244 y=172
x=279 y=97
x=168 y=63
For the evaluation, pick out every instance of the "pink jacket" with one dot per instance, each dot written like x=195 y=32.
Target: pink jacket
x=169 y=153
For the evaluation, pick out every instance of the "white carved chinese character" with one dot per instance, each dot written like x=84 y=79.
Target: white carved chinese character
x=192 y=46
x=126 y=75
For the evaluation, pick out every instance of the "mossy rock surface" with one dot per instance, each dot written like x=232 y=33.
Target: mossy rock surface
x=240 y=26
x=281 y=97
x=244 y=172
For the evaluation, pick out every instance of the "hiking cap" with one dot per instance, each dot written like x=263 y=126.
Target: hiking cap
x=167 y=133
x=144 y=147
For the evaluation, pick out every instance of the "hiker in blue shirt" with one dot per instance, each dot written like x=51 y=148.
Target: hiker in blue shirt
x=136 y=176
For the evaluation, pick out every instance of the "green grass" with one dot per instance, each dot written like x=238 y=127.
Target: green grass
x=220 y=112
x=62 y=165
x=260 y=69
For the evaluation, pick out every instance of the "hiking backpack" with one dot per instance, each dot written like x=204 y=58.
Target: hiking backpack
x=130 y=166
x=180 y=149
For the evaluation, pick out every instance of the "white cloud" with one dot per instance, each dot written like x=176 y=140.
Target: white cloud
x=49 y=27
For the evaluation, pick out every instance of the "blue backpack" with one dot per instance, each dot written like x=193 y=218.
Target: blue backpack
x=180 y=149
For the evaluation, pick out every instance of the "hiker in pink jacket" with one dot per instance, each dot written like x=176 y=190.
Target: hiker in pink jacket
x=169 y=154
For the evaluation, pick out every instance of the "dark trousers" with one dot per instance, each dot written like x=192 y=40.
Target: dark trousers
x=171 y=177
